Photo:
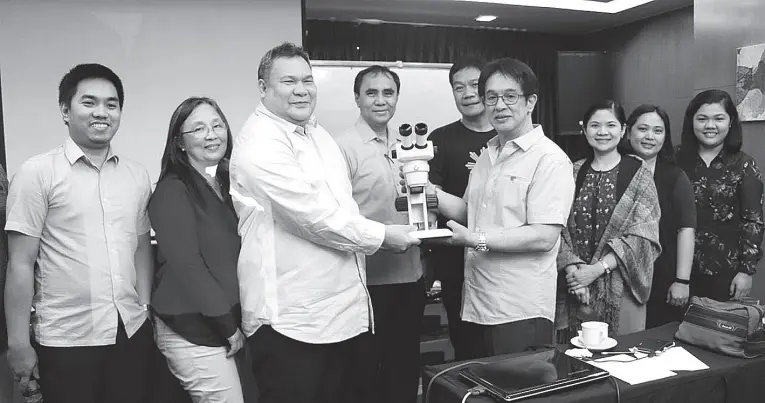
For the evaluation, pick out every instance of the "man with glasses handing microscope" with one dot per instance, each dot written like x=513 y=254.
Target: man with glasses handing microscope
x=518 y=198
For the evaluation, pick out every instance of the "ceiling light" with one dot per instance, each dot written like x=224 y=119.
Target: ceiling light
x=373 y=21
x=486 y=18
x=611 y=7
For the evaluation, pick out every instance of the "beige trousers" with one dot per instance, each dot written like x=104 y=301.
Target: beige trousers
x=204 y=372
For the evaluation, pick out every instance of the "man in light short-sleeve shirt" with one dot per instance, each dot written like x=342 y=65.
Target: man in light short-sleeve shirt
x=517 y=201
x=80 y=254
x=396 y=287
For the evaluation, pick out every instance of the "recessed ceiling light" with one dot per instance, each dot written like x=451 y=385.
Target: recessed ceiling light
x=373 y=21
x=486 y=18
x=610 y=7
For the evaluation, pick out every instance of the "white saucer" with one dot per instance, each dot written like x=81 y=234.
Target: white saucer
x=607 y=344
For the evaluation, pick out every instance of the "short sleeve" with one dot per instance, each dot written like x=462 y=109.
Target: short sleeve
x=684 y=201
x=436 y=174
x=27 y=205
x=551 y=192
x=349 y=153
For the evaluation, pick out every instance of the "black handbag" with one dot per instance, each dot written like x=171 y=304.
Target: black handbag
x=731 y=328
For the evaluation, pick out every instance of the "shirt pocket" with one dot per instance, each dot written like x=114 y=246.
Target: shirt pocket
x=121 y=207
x=511 y=195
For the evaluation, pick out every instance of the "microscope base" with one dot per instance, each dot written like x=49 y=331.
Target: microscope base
x=431 y=233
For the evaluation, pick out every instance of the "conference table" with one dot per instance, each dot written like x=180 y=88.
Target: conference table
x=728 y=380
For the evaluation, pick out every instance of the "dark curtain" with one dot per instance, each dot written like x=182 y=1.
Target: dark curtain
x=334 y=40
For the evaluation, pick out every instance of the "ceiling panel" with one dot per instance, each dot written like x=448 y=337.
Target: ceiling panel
x=458 y=13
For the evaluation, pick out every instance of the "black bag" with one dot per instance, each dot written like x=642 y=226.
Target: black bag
x=732 y=328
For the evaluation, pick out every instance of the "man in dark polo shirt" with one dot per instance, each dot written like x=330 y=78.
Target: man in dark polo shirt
x=459 y=144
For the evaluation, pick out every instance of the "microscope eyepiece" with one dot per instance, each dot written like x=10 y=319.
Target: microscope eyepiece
x=405 y=130
x=421 y=130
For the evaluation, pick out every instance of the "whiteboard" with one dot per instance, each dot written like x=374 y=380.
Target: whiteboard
x=425 y=95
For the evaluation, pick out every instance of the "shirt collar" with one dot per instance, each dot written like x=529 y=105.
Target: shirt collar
x=523 y=142
x=289 y=127
x=527 y=140
x=722 y=156
x=366 y=132
x=73 y=152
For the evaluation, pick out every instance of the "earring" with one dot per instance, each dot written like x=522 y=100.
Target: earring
x=183 y=149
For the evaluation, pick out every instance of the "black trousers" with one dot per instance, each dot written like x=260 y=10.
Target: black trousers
x=451 y=297
x=290 y=371
x=716 y=287
x=392 y=356
x=508 y=338
x=115 y=374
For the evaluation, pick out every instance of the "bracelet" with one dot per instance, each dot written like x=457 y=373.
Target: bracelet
x=605 y=266
x=682 y=281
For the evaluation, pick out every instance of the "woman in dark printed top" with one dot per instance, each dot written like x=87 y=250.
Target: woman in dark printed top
x=729 y=198
x=612 y=236
x=649 y=137
x=196 y=292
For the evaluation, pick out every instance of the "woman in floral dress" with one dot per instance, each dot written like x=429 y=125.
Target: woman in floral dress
x=729 y=196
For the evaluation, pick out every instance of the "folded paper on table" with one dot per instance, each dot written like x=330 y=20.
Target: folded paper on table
x=633 y=371
x=679 y=359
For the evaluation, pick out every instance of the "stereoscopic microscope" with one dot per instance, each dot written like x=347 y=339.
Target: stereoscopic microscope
x=414 y=152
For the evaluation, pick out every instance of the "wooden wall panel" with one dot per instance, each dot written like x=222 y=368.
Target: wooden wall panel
x=653 y=62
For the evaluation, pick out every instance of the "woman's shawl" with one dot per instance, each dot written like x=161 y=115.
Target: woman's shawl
x=632 y=234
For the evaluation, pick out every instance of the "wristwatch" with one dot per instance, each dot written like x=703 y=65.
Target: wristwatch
x=605 y=266
x=481 y=247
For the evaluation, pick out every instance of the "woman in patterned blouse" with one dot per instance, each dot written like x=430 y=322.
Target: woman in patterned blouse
x=729 y=198
x=649 y=137
x=612 y=236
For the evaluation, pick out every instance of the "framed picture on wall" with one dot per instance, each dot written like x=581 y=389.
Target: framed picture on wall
x=750 y=82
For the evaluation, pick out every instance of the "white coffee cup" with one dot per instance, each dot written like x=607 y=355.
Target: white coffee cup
x=594 y=333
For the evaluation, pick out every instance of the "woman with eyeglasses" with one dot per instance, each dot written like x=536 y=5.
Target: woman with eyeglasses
x=729 y=196
x=612 y=237
x=649 y=137
x=196 y=293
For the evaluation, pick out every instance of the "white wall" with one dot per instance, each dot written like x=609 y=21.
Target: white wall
x=163 y=50
x=426 y=95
